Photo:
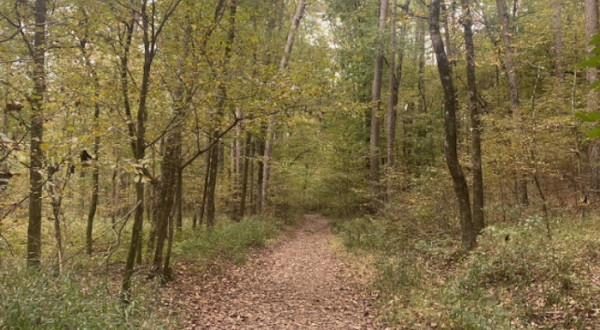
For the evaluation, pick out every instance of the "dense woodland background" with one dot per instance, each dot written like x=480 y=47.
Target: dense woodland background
x=139 y=134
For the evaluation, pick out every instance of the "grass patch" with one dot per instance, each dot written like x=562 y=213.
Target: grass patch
x=529 y=281
x=226 y=241
x=40 y=300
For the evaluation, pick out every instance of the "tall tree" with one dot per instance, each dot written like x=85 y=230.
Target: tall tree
x=151 y=29
x=395 y=79
x=591 y=29
x=558 y=38
x=96 y=172
x=474 y=115
x=461 y=188
x=37 y=51
x=376 y=99
x=511 y=78
x=271 y=126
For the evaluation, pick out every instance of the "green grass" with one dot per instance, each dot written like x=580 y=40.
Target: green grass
x=530 y=281
x=85 y=295
x=227 y=241
x=40 y=300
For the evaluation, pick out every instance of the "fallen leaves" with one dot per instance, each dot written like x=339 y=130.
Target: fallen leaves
x=298 y=284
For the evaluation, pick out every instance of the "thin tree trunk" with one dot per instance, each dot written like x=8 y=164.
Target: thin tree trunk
x=391 y=107
x=246 y=166
x=558 y=39
x=511 y=77
x=250 y=183
x=96 y=173
x=260 y=172
x=179 y=198
x=271 y=125
x=34 y=229
x=450 y=149
x=205 y=187
x=376 y=102
x=212 y=183
x=474 y=112
x=395 y=79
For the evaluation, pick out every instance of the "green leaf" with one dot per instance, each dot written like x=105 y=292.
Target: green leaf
x=590 y=117
x=593 y=133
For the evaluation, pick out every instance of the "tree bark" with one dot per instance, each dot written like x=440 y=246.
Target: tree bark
x=376 y=102
x=511 y=76
x=246 y=166
x=474 y=114
x=591 y=29
x=96 y=151
x=205 y=188
x=461 y=188
x=138 y=136
x=212 y=183
x=179 y=197
x=36 y=100
x=271 y=125
x=558 y=39
x=259 y=174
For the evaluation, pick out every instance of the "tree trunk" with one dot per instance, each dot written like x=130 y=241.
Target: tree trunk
x=96 y=173
x=166 y=196
x=376 y=102
x=558 y=39
x=474 y=112
x=34 y=229
x=212 y=183
x=511 y=76
x=251 y=207
x=395 y=79
x=179 y=196
x=259 y=174
x=393 y=85
x=244 y=183
x=591 y=29
x=205 y=188
x=461 y=188
x=271 y=126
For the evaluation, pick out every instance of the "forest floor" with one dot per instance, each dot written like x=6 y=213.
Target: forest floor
x=297 y=283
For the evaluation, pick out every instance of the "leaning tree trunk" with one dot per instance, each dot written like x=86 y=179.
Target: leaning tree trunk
x=478 y=192
x=461 y=188
x=591 y=29
x=271 y=126
x=34 y=229
x=511 y=77
x=376 y=102
x=205 y=188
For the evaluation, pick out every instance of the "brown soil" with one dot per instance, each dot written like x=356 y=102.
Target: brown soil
x=297 y=284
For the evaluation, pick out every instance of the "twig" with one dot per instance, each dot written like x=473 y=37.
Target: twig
x=125 y=218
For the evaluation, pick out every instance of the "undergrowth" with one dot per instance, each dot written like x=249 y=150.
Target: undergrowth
x=228 y=240
x=85 y=295
x=42 y=300
x=518 y=277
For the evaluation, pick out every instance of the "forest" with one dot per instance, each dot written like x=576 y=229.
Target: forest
x=299 y=164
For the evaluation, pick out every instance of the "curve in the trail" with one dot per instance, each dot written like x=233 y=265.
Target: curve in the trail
x=298 y=284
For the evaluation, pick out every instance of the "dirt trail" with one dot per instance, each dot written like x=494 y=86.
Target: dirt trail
x=297 y=284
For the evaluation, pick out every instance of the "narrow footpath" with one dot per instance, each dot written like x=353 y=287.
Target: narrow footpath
x=297 y=284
